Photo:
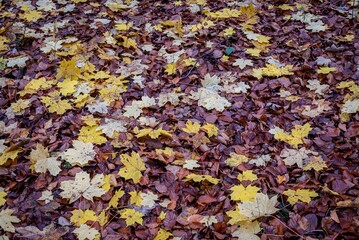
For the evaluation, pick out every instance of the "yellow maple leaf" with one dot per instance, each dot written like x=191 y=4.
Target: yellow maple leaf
x=296 y=136
x=55 y=104
x=136 y=198
x=133 y=165
x=68 y=70
x=211 y=129
x=67 y=86
x=228 y=32
x=123 y=26
x=9 y=154
x=236 y=159
x=31 y=15
x=247 y=175
x=236 y=216
x=200 y=178
x=241 y=193
x=271 y=70
x=131 y=216
x=102 y=218
x=128 y=42
x=2 y=197
x=162 y=235
x=326 y=70
x=80 y=217
x=35 y=85
x=255 y=52
x=107 y=182
x=115 y=199
x=161 y=216
x=20 y=105
x=303 y=195
x=192 y=127
x=316 y=163
x=152 y=133
x=111 y=93
x=171 y=68
x=91 y=134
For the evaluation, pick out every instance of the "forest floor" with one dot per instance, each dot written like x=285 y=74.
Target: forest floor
x=179 y=119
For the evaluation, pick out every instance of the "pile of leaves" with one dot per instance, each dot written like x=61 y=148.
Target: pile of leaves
x=186 y=119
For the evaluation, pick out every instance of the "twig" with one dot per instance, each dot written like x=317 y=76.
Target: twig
x=290 y=229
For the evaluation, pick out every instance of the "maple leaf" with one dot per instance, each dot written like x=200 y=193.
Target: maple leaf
x=131 y=216
x=211 y=129
x=326 y=70
x=236 y=216
x=261 y=160
x=133 y=165
x=68 y=70
x=261 y=206
x=46 y=196
x=200 y=178
x=241 y=193
x=247 y=175
x=247 y=230
x=242 y=63
x=236 y=159
x=6 y=220
x=80 y=217
x=152 y=133
x=148 y=199
x=2 y=196
x=115 y=199
x=210 y=100
x=171 y=68
x=55 y=104
x=112 y=125
x=295 y=156
x=136 y=198
x=9 y=154
x=90 y=134
x=82 y=186
x=303 y=195
x=162 y=235
x=316 y=163
x=128 y=42
x=80 y=154
x=295 y=138
x=85 y=232
x=351 y=106
x=191 y=164
x=42 y=162
x=191 y=127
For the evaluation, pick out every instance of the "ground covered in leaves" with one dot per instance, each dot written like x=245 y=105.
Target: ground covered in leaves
x=179 y=119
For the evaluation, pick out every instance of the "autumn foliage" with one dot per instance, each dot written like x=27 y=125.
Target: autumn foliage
x=186 y=119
